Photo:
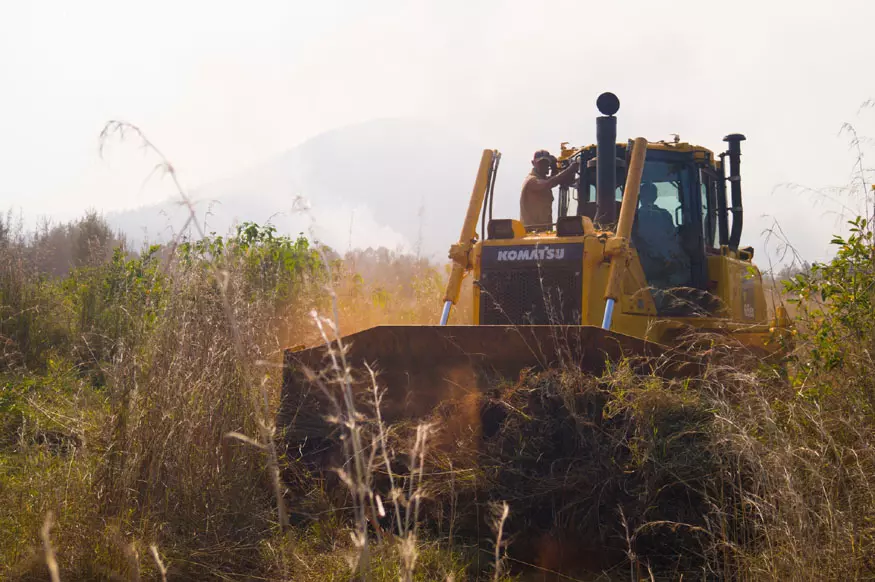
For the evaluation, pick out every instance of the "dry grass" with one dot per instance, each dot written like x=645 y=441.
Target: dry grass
x=730 y=474
x=737 y=473
x=151 y=473
x=137 y=441
x=155 y=456
x=733 y=474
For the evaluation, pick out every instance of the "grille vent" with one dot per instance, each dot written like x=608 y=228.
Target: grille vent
x=550 y=295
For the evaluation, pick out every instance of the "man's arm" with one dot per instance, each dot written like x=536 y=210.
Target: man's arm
x=561 y=177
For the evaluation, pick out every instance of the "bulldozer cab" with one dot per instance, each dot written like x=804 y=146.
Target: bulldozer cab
x=686 y=261
x=675 y=226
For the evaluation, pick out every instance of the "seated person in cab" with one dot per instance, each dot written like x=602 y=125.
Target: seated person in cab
x=536 y=198
x=663 y=259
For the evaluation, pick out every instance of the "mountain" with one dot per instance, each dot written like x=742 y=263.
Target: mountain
x=398 y=183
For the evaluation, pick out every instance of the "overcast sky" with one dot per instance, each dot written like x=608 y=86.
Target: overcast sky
x=222 y=86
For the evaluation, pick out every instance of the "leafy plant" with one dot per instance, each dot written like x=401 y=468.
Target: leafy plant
x=836 y=302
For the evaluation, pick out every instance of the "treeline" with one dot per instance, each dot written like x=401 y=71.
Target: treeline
x=76 y=290
x=56 y=249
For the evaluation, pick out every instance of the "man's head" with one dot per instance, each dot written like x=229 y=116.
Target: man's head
x=647 y=195
x=542 y=162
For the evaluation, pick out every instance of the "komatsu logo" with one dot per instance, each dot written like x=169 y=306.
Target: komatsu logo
x=544 y=254
x=527 y=255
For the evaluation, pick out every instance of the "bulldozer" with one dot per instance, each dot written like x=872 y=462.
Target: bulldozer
x=645 y=248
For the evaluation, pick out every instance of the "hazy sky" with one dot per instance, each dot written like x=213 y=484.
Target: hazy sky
x=221 y=86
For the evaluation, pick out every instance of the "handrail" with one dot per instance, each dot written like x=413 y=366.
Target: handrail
x=617 y=247
x=460 y=253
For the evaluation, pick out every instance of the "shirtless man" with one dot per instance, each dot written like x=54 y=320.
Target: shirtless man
x=536 y=198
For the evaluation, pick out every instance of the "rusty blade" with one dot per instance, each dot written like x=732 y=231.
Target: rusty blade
x=421 y=366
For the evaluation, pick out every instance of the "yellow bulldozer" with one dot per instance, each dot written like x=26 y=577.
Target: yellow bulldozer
x=611 y=278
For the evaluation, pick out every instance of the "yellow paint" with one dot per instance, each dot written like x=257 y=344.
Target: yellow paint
x=519 y=229
x=460 y=253
x=738 y=285
x=617 y=246
x=700 y=154
x=741 y=309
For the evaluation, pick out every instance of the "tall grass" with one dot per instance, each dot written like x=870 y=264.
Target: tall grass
x=137 y=436
x=121 y=424
x=135 y=431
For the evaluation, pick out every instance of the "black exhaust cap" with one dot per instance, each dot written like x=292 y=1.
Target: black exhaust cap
x=606 y=159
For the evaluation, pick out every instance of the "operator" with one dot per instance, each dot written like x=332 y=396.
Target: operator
x=536 y=198
x=663 y=259
x=658 y=219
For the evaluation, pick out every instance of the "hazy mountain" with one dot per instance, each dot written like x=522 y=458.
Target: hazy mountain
x=395 y=183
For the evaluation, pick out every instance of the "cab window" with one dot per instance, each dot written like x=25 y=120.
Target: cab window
x=658 y=222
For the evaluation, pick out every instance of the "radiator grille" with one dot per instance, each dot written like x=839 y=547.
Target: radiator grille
x=531 y=295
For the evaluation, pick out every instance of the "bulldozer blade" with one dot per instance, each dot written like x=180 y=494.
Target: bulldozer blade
x=418 y=367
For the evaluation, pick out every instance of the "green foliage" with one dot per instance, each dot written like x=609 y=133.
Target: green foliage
x=837 y=296
x=273 y=264
x=107 y=298
x=836 y=303
x=30 y=306
x=42 y=313
x=111 y=301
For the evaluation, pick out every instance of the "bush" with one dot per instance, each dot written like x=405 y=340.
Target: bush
x=836 y=330
x=157 y=356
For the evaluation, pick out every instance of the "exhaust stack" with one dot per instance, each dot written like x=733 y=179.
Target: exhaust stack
x=606 y=159
x=734 y=153
x=722 y=204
